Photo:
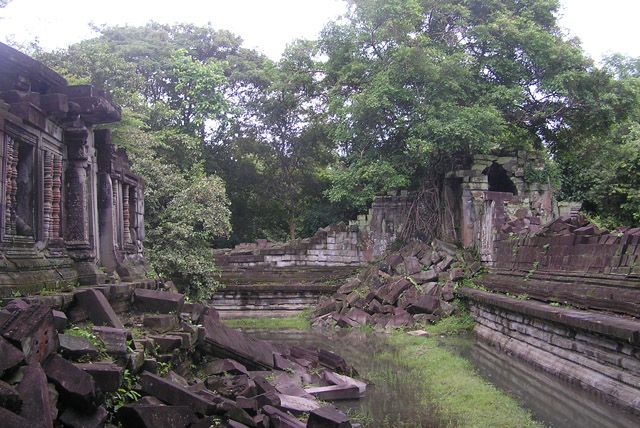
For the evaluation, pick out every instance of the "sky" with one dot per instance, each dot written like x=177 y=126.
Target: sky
x=268 y=25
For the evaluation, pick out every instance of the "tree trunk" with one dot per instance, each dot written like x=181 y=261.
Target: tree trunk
x=292 y=228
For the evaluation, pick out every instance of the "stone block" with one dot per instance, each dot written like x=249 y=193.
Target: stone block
x=328 y=417
x=426 y=304
x=333 y=361
x=97 y=308
x=75 y=386
x=157 y=301
x=334 y=392
x=225 y=366
x=114 y=339
x=10 y=356
x=425 y=276
x=160 y=323
x=280 y=419
x=11 y=420
x=34 y=391
x=10 y=398
x=141 y=415
x=295 y=404
x=73 y=418
x=411 y=265
x=166 y=343
x=175 y=394
x=76 y=347
x=33 y=328
x=107 y=376
x=60 y=320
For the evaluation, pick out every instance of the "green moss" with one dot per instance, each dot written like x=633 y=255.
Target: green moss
x=462 y=397
x=461 y=322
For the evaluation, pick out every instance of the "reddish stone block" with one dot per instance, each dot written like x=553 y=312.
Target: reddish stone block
x=34 y=330
x=157 y=301
x=97 y=308
x=328 y=417
x=75 y=386
x=34 y=391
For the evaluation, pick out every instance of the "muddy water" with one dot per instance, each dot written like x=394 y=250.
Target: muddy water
x=396 y=399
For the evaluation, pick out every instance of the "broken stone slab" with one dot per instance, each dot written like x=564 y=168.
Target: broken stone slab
x=225 y=342
x=349 y=286
x=340 y=379
x=456 y=274
x=175 y=394
x=34 y=391
x=76 y=347
x=394 y=292
x=447 y=292
x=194 y=311
x=231 y=386
x=114 y=339
x=33 y=329
x=425 y=276
x=163 y=302
x=160 y=323
x=280 y=419
x=74 y=418
x=328 y=417
x=75 y=386
x=235 y=424
x=166 y=343
x=227 y=365
x=235 y=413
x=142 y=415
x=60 y=320
x=444 y=264
x=11 y=420
x=359 y=316
x=333 y=361
x=426 y=304
x=334 y=392
x=295 y=404
x=401 y=318
x=97 y=308
x=9 y=397
x=108 y=377
x=10 y=356
x=412 y=265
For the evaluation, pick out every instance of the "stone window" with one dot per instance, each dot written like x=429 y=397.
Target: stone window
x=499 y=180
x=20 y=188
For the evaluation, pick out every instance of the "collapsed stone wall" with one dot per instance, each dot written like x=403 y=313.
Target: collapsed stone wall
x=492 y=190
x=333 y=247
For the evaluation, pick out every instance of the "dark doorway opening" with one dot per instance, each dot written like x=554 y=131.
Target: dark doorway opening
x=499 y=180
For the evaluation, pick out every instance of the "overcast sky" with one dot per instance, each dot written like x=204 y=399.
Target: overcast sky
x=268 y=25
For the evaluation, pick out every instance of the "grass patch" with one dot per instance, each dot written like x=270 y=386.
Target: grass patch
x=461 y=396
x=461 y=322
x=295 y=322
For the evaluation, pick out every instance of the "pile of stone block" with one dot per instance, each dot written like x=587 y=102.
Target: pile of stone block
x=412 y=285
x=166 y=364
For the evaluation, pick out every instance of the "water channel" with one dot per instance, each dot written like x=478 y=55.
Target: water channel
x=395 y=399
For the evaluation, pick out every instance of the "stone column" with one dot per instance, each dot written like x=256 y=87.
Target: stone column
x=56 y=198
x=11 y=186
x=106 y=201
x=77 y=215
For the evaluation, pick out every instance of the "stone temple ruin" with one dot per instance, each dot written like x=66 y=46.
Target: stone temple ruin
x=72 y=211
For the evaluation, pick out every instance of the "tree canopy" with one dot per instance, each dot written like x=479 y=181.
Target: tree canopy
x=235 y=146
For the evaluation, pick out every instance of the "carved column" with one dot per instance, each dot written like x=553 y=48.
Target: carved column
x=47 y=208
x=56 y=197
x=11 y=186
x=125 y=213
x=77 y=216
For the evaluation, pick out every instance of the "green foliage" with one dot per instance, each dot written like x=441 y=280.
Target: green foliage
x=125 y=394
x=297 y=322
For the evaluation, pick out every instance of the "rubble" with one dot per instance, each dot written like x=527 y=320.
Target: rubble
x=177 y=366
x=412 y=285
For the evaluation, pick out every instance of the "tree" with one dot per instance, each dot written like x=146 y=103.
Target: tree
x=414 y=85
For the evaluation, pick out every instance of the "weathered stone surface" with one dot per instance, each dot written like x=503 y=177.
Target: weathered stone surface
x=78 y=419
x=157 y=301
x=107 y=376
x=32 y=327
x=280 y=419
x=10 y=356
x=231 y=386
x=74 y=385
x=11 y=420
x=340 y=379
x=160 y=323
x=60 y=320
x=335 y=392
x=141 y=415
x=10 y=398
x=33 y=389
x=97 y=308
x=425 y=276
x=166 y=343
x=395 y=290
x=76 y=347
x=412 y=265
x=426 y=304
x=333 y=361
x=175 y=394
x=225 y=366
x=114 y=339
x=224 y=342
x=297 y=404
x=328 y=417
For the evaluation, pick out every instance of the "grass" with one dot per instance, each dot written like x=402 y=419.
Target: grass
x=462 y=397
x=296 y=322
